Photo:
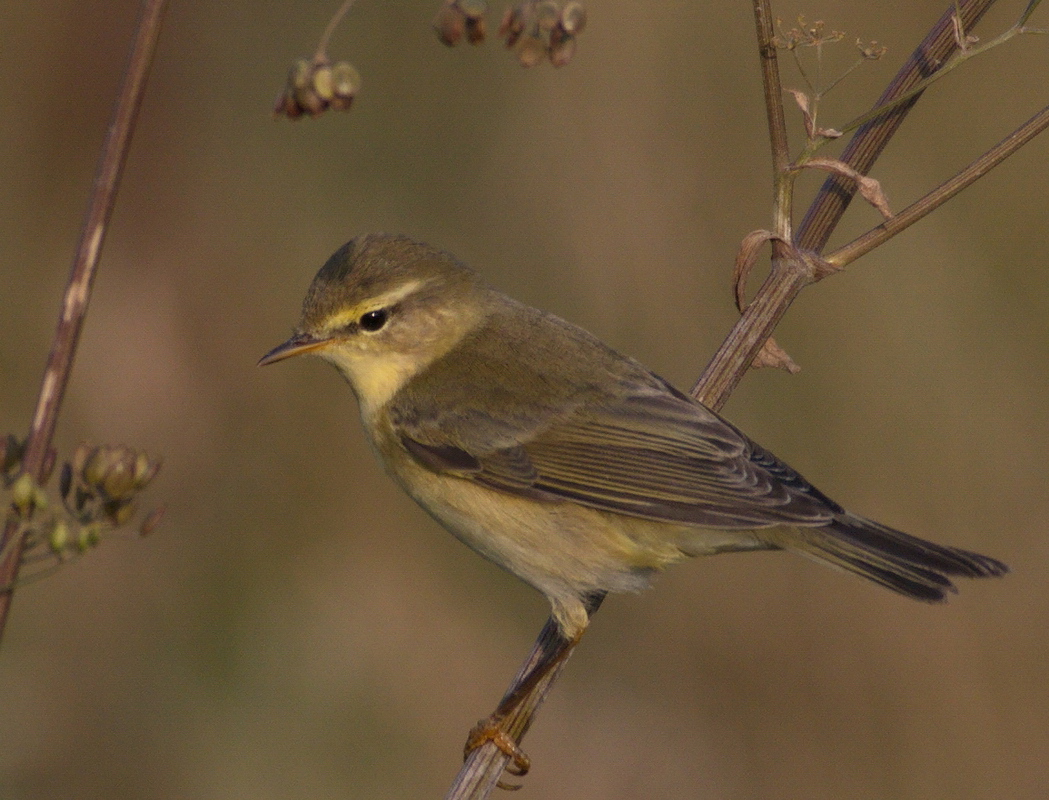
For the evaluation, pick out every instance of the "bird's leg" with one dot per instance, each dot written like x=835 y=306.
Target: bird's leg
x=508 y=723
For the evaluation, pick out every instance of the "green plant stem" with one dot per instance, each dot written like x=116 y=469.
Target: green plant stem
x=78 y=288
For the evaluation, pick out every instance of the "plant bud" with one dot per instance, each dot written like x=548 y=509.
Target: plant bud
x=58 y=538
x=122 y=513
x=23 y=492
x=475 y=30
x=88 y=537
x=95 y=465
x=145 y=471
x=65 y=480
x=119 y=480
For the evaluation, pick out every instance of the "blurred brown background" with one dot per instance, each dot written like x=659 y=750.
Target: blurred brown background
x=298 y=629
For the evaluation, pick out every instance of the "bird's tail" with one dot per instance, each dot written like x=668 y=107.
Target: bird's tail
x=896 y=560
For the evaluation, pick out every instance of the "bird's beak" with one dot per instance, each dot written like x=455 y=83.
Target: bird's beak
x=295 y=346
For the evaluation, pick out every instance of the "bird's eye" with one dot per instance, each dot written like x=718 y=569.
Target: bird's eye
x=373 y=320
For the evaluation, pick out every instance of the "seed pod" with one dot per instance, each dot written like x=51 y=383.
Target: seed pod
x=547 y=15
x=449 y=24
x=119 y=480
x=573 y=18
x=345 y=79
x=513 y=24
x=322 y=83
x=531 y=51
x=562 y=48
x=95 y=465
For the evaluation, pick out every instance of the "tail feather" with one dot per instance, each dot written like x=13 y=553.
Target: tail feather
x=891 y=558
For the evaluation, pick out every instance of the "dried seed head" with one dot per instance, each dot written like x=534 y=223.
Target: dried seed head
x=531 y=51
x=562 y=47
x=547 y=15
x=315 y=86
x=473 y=9
x=456 y=18
x=573 y=18
x=513 y=24
x=449 y=24
x=871 y=51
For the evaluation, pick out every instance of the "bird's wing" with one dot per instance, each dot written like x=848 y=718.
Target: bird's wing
x=650 y=452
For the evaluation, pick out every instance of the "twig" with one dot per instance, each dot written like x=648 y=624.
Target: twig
x=484 y=766
x=788 y=277
x=870 y=140
x=78 y=289
x=321 y=55
x=942 y=193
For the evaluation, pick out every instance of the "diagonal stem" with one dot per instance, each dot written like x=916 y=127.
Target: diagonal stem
x=484 y=766
x=942 y=193
x=790 y=275
x=78 y=289
x=870 y=140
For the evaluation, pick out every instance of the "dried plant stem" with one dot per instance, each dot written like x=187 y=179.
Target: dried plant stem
x=870 y=140
x=78 y=289
x=322 y=47
x=942 y=193
x=791 y=274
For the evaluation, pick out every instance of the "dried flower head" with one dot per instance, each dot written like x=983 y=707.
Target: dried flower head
x=458 y=18
x=543 y=29
x=102 y=483
x=871 y=51
x=806 y=34
x=315 y=85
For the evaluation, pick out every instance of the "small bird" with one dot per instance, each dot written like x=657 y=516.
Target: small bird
x=566 y=463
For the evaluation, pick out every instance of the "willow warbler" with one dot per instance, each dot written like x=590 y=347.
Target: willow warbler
x=569 y=465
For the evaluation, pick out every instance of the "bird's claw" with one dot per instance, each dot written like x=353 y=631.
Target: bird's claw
x=490 y=730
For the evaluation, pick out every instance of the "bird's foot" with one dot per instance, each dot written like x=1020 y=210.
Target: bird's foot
x=491 y=730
